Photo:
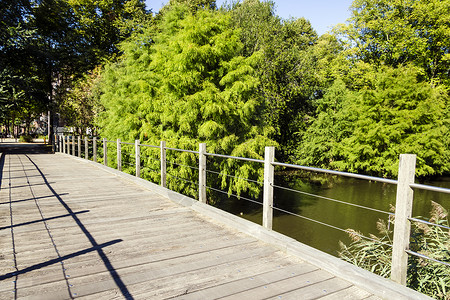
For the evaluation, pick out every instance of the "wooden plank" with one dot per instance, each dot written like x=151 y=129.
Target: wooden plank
x=316 y=290
x=99 y=282
x=184 y=284
x=276 y=287
x=351 y=293
x=78 y=268
x=254 y=281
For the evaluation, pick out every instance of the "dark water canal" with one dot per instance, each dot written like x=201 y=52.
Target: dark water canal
x=365 y=193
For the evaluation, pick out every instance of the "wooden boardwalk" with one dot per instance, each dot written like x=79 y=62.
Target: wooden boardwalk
x=71 y=229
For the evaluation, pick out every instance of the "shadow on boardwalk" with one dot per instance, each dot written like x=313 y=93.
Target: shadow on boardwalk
x=26 y=150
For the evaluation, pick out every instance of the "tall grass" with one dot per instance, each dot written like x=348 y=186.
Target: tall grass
x=425 y=276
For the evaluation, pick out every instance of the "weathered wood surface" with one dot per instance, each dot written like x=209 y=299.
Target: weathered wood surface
x=71 y=230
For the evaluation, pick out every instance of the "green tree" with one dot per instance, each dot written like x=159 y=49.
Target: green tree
x=366 y=130
x=287 y=70
x=396 y=32
x=77 y=36
x=81 y=105
x=21 y=87
x=328 y=128
x=187 y=84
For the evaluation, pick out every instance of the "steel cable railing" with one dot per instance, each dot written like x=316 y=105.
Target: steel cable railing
x=183 y=179
x=333 y=200
x=423 y=256
x=202 y=154
x=331 y=226
x=235 y=177
x=234 y=195
x=332 y=172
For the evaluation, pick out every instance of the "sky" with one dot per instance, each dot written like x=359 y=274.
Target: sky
x=323 y=14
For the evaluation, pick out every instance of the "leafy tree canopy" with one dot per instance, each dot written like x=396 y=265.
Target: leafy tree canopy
x=366 y=130
x=397 y=32
x=189 y=86
x=288 y=69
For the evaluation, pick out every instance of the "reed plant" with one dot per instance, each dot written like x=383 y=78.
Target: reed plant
x=425 y=276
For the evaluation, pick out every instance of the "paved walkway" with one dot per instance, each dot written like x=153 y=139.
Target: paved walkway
x=71 y=230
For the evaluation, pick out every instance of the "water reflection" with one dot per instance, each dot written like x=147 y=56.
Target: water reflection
x=375 y=195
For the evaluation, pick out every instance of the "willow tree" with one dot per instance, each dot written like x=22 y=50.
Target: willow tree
x=185 y=83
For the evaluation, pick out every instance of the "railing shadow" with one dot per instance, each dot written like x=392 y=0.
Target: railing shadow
x=95 y=246
x=58 y=260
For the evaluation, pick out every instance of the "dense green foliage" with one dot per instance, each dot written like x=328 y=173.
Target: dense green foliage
x=287 y=70
x=239 y=77
x=391 y=96
x=45 y=46
x=425 y=276
x=188 y=85
x=366 y=130
x=396 y=32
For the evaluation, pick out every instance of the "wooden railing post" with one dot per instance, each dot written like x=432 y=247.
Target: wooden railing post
x=269 y=157
x=60 y=144
x=403 y=211
x=105 y=152
x=202 y=173
x=94 y=149
x=137 y=156
x=119 y=155
x=163 y=164
x=73 y=145
x=86 y=148
x=79 y=146
x=63 y=141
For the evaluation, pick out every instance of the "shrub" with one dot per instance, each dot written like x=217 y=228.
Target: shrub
x=26 y=138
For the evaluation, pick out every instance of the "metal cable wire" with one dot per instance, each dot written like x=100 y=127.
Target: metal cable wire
x=181 y=165
x=235 y=157
x=180 y=150
x=351 y=175
x=150 y=146
x=182 y=179
x=331 y=199
x=427 y=257
x=239 y=197
x=127 y=163
x=232 y=176
x=148 y=168
x=155 y=159
x=331 y=226
x=428 y=223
